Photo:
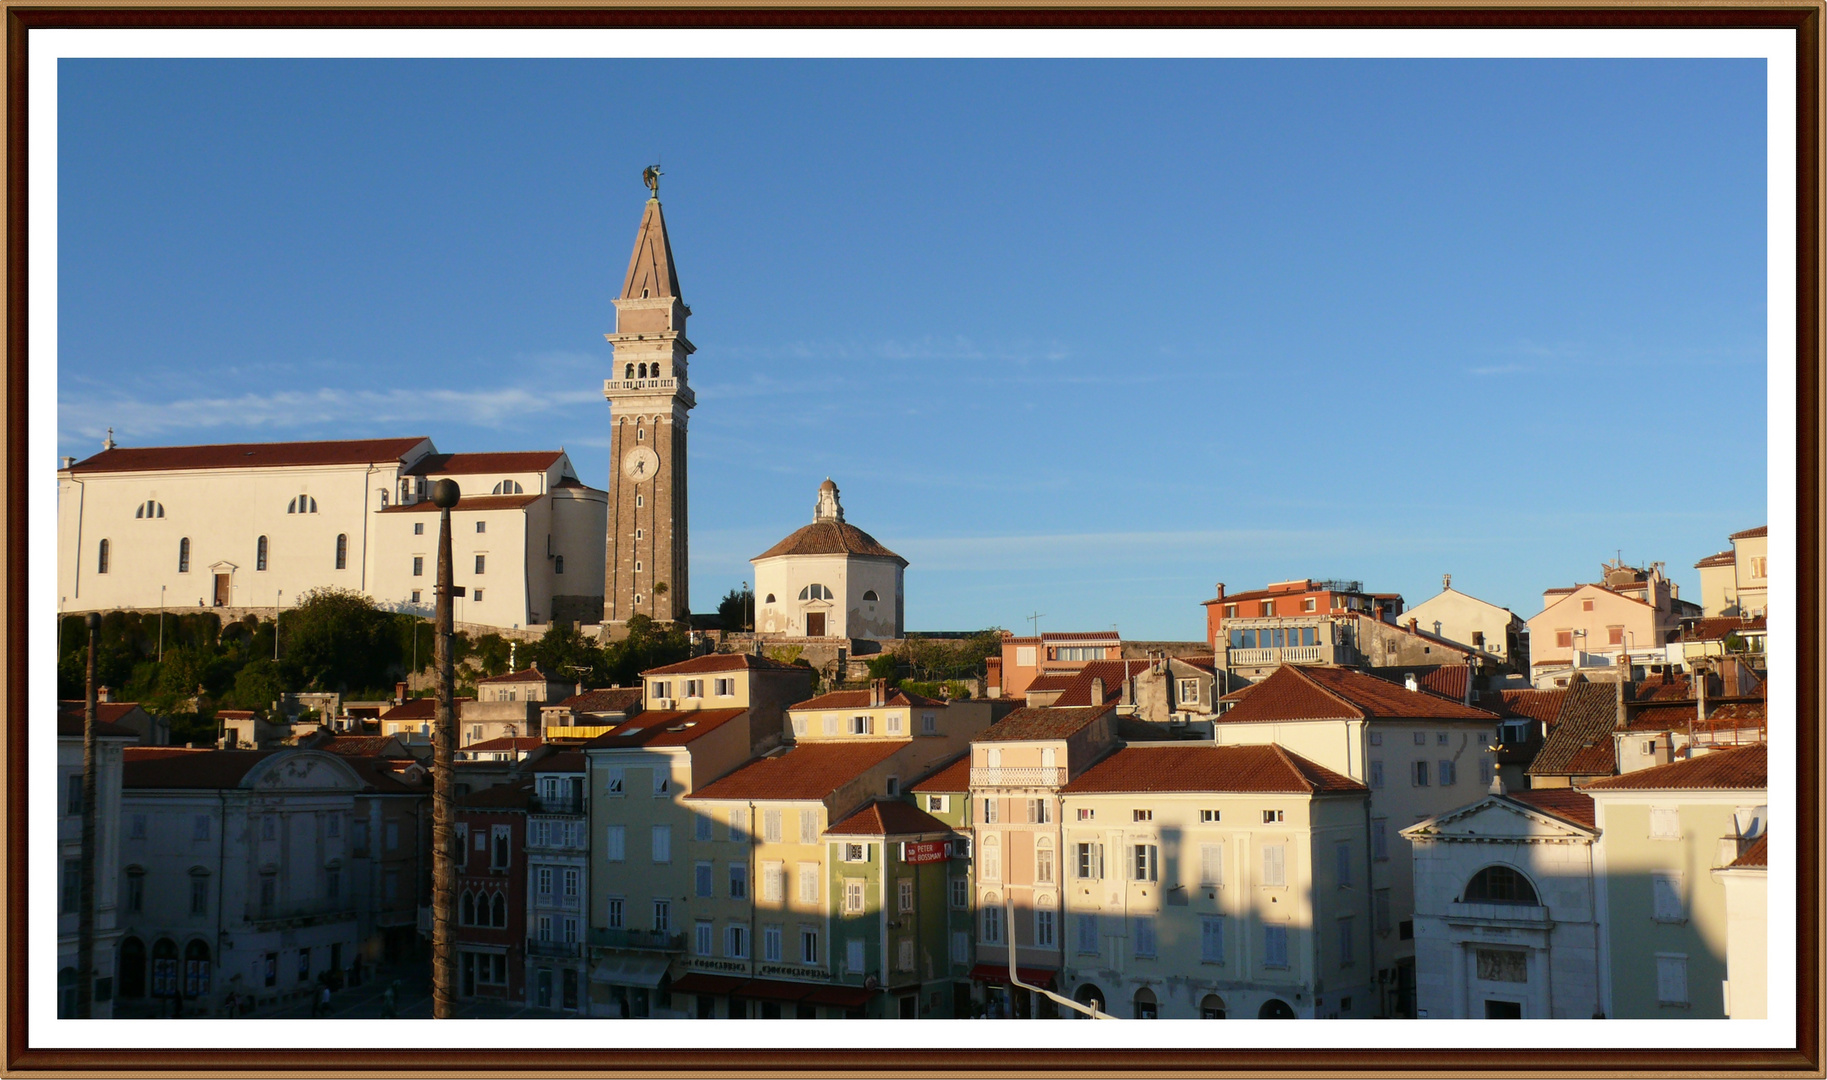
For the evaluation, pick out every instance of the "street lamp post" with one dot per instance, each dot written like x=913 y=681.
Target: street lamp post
x=746 y=591
x=278 y=599
x=85 y=887
x=161 y=624
x=444 y=495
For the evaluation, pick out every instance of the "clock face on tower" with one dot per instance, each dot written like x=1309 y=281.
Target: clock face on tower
x=641 y=464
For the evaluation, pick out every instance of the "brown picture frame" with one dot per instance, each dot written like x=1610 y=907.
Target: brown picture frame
x=1804 y=20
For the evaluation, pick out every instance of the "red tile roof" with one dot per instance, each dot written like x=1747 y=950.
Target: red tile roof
x=668 y=728
x=889 y=818
x=248 y=455
x=524 y=675
x=1580 y=743
x=1672 y=687
x=567 y=761
x=1303 y=692
x=1718 y=627
x=1054 y=680
x=723 y=662
x=467 y=502
x=1758 y=854
x=504 y=744
x=859 y=699
x=522 y=461
x=359 y=745
x=107 y=715
x=1046 y=723
x=1740 y=768
x=1564 y=803
x=1450 y=681
x=1081 y=635
x=1543 y=705
x=1761 y=530
x=807 y=771
x=615 y=699
x=1179 y=767
x=1113 y=672
x=1723 y=558
x=1662 y=716
x=954 y=775
x=182 y=767
x=830 y=538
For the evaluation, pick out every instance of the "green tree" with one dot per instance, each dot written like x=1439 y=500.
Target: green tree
x=885 y=666
x=258 y=684
x=649 y=644
x=736 y=609
x=566 y=652
x=336 y=639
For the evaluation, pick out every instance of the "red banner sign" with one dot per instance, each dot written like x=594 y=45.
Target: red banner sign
x=923 y=851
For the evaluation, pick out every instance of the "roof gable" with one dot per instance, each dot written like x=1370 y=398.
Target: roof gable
x=1500 y=817
x=807 y=772
x=249 y=455
x=1580 y=741
x=1743 y=768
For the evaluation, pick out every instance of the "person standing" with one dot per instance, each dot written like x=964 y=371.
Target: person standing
x=389 y=1000
x=323 y=1000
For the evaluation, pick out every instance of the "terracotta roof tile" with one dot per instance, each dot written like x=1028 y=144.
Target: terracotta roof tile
x=248 y=455
x=1564 y=803
x=1672 y=687
x=954 y=775
x=1047 y=723
x=830 y=538
x=1758 y=854
x=1741 y=768
x=359 y=745
x=524 y=675
x=859 y=699
x=107 y=717
x=504 y=744
x=1761 y=530
x=522 y=461
x=1723 y=558
x=1113 y=672
x=1450 y=681
x=888 y=818
x=1177 y=767
x=664 y=728
x=1303 y=692
x=1580 y=743
x=1543 y=705
x=182 y=767
x=1718 y=627
x=723 y=662
x=1055 y=680
x=807 y=771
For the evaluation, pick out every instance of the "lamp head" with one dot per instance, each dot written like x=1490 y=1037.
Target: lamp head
x=92 y=620
x=444 y=494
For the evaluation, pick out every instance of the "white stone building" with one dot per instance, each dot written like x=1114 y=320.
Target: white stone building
x=830 y=580
x=110 y=740
x=1505 y=924
x=257 y=525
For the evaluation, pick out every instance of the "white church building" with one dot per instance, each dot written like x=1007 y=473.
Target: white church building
x=257 y=525
x=830 y=579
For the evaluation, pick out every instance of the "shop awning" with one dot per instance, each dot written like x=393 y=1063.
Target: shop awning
x=843 y=997
x=773 y=990
x=998 y=975
x=631 y=971
x=697 y=982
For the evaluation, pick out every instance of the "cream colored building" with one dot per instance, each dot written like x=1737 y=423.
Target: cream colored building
x=1737 y=581
x=830 y=580
x=1634 y=612
x=1497 y=632
x=1419 y=754
x=1747 y=900
x=1506 y=920
x=1666 y=933
x=1213 y=882
x=732 y=681
x=258 y=525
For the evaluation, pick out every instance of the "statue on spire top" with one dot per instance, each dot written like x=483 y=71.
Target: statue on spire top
x=651 y=177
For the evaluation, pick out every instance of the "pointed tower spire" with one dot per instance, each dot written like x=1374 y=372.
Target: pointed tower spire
x=650 y=270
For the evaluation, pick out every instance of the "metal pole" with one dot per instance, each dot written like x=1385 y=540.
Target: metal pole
x=85 y=910
x=277 y=597
x=161 y=624
x=444 y=494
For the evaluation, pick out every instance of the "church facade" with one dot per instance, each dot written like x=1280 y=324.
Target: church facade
x=830 y=580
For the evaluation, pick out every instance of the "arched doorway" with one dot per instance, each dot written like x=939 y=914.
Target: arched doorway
x=1089 y=994
x=1275 y=1009
x=1147 y=1008
x=164 y=968
x=133 y=968
x=1211 y=1007
x=196 y=969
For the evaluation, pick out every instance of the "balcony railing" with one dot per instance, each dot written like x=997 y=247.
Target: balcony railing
x=1501 y=914
x=535 y=947
x=1292 y=654
x=308 y=913
x=662 y=940
x=560 y=804
x=639 y=384
x=1048 y=776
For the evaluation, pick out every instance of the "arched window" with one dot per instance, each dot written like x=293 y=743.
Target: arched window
x=990 y=856
x=508 y=487
x=150 y=509
x=815 y=592
x=342 y=551
x=558 y=564
x=101 y=558
x=500 y=909
x=1211 y=1007
x=1043 y=861
x=870 y=596
x=1500 y=885
x=770 y=599
x=1146 y=1006
x=304 y=504
x=184 y=555
x=629 y=374
x=1092 y=995
x=260 y=554
x=196 y=969
x=466 y=909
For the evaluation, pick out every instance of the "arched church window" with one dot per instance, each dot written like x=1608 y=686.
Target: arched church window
x=770 y=599
x=1500 y=885
x=304 y=504
x=870 y=595
x=815 y=592
x=260 y=554
x=558 y=564
x=101 y=558
x=151 y=508
x=629 y=374
x=508 y=487
x=184 y=555
x=342 y=551
x=643 y=371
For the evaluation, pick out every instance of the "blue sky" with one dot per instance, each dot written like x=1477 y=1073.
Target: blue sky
x=1075 y=337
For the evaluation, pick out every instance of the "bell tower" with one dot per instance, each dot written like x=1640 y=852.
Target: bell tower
x=649 y=401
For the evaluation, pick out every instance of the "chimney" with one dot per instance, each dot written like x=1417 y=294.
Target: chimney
x=1411 y=620
x=67 y=462
x=399 y=693
x=104 y=693
x=1221 y=590
x=1097 y=689
x=1623 y=701
x=878 y=692
x=1410 y=682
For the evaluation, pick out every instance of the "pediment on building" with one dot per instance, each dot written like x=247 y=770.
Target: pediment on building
x=302 y=770
x=1497 y=818
x=223 y=567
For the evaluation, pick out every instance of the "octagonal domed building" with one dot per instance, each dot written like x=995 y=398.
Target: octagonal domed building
x=829 y=580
